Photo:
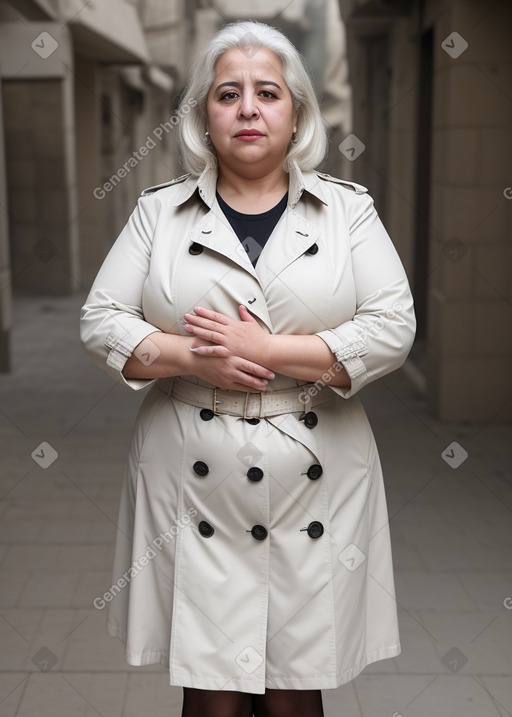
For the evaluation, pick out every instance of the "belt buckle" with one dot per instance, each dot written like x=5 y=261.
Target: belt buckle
x=246 y=401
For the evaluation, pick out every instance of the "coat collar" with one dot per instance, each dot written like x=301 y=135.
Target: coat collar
x=206 y=185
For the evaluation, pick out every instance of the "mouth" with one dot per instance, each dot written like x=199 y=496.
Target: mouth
x=249 y=133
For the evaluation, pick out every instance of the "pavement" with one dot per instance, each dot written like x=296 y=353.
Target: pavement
x=65 y=428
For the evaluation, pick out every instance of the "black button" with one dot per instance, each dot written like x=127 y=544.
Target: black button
x=310 y=419
x=252 y=421
x=314 y=471
x=315 y=529
x=195 y=248
x=312 y=249
x=206 y=414
x=255 y=474
x=259 y=532
x=206 y=529
x=201 y=468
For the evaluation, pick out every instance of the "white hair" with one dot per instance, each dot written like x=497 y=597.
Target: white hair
x=310 y=144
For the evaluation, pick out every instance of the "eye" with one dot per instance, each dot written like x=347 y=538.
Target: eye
x=228 y=96
x=268 y=95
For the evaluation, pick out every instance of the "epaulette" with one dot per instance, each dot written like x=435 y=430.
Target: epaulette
x=357 y=188
x=156 y=187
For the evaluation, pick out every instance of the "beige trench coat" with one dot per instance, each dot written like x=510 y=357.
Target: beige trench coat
x=229 y=611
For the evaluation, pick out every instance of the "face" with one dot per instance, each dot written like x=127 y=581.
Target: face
x=250 y=113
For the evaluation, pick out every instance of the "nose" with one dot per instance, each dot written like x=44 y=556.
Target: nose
x=248 y=107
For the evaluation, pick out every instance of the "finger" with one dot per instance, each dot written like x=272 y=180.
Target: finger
x=245 y=314
x=211 y=351
x=212 y=336
x=251 y=383
x=204 y=323
x=259 y=371
x=213 y=315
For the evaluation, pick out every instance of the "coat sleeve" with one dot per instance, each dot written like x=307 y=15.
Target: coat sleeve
x=112 y=321
x=379 y=337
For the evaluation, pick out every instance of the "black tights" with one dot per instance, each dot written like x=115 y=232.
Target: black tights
x=274 y=703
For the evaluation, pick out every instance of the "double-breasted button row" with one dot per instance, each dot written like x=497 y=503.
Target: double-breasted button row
x=315 y=530
x=254 y=473
x=258 y=532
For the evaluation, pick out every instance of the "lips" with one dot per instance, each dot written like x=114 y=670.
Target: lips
x=249 y=133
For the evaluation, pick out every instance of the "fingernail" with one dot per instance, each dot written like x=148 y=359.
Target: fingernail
x=191 y=349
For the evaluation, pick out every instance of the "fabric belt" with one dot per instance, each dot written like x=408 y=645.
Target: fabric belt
x=248 y=405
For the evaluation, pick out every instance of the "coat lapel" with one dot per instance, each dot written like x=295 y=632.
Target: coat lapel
x=292 y=236
x=216 y=234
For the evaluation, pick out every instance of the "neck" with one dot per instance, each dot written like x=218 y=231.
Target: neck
x=231 y=184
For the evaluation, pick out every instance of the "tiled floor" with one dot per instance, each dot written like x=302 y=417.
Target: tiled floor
x=451 y=530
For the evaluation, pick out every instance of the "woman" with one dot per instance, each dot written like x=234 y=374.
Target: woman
x=258 y=297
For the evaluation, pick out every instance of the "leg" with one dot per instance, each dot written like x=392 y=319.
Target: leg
x=288 y=703
x=214 y=703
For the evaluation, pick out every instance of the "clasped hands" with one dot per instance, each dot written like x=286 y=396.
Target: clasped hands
x=227 y=336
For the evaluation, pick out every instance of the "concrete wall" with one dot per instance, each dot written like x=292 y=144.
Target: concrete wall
x=5 y=264
x=444 y=189
x=470 y=314
x=42 y=236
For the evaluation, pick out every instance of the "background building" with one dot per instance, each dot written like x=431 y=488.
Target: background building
x=432 y=104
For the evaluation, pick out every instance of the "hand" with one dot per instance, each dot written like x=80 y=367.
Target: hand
x=228 y=337
x=230 y=372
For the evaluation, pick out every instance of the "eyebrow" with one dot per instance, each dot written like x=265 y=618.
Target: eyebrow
x=234 y=83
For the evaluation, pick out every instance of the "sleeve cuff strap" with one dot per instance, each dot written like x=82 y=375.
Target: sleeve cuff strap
x=349 y=355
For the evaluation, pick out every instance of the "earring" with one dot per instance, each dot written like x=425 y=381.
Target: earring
x=294 y=139
x=206 y=137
